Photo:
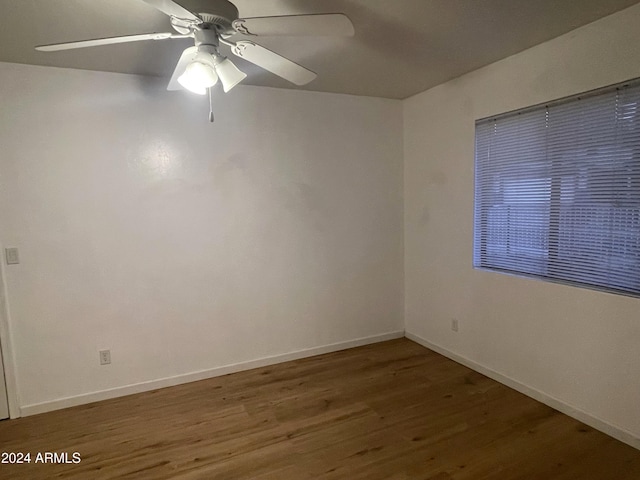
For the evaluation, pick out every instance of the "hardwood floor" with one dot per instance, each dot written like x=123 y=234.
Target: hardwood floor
x=392 y=410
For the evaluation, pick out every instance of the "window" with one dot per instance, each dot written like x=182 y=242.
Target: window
x=557 y=191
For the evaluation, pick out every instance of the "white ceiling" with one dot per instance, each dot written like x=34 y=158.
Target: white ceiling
x=401 y=47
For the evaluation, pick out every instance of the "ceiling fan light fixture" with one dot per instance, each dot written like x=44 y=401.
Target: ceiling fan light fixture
x=201 y=65
x=198 y=76
x=229 y=74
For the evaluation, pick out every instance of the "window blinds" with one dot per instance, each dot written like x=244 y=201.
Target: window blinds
x=557 y=191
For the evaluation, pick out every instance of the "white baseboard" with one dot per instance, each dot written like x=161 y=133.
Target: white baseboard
x=586 y=418
x=85 y=398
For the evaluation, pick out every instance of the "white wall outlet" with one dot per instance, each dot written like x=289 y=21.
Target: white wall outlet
x=12 y=256
x=454 y=324
x=105 y=357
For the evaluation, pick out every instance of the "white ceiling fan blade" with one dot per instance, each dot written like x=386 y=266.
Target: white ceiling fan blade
x=187 y=57
x=272 y=62
x=173 y=10
x=106 y=41
x=333 y=24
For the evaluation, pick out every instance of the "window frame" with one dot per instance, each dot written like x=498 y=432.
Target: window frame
x=553 y=239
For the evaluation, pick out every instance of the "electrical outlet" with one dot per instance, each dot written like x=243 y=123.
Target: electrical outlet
x=454 y=324
x=12 y=256
x=105 y=357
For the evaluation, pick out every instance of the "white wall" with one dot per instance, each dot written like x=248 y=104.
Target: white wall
x=574 y=345
x=184 y=246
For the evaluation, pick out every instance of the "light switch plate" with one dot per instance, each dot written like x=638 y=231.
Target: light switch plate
x=12 y=256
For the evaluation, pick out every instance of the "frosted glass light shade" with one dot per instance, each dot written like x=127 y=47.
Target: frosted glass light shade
x=197 y=77
x=229 y=74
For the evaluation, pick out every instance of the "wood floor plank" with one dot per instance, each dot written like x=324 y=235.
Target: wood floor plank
x=389 y=411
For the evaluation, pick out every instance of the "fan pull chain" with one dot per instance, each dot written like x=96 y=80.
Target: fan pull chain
x=211 y=118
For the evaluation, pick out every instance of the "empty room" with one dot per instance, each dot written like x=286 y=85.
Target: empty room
x=339 y=239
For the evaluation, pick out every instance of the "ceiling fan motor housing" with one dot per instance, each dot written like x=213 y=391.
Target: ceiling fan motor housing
x=217 y=13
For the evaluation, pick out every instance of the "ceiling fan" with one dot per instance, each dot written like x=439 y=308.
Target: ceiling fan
x=212 y=23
